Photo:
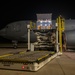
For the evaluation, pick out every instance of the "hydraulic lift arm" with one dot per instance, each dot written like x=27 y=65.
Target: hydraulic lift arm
x=60 y=23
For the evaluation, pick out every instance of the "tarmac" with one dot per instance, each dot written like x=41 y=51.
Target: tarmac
x=61 y=65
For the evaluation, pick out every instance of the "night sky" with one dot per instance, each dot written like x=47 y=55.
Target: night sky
x=26 y=10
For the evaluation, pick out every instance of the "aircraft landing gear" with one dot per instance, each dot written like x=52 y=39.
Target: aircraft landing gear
x=14 y=44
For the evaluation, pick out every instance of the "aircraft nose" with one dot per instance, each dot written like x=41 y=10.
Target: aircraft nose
x=2 y=32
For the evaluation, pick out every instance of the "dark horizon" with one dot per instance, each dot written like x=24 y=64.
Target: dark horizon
x=15 y=11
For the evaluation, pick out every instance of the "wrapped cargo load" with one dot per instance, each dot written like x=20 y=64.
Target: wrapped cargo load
x=44 y=21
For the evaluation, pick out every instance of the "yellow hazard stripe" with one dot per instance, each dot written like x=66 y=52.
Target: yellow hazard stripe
x=52 y=52
x=5 y=55
x=43 y=57
x=22 y=52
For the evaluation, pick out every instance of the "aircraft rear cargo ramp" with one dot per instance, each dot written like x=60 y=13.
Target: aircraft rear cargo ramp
x=30 y=61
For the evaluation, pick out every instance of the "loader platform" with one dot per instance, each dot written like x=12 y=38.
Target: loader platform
x=29 y=61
